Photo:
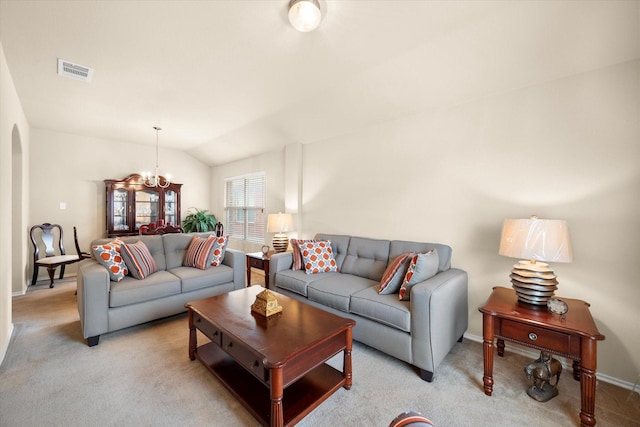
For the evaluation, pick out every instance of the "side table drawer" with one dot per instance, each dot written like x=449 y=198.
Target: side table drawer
x=251 y=361
x=207 y=328
x=536 y=336
x=255 y=262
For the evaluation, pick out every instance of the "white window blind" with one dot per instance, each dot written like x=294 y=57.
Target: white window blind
x=244 y=207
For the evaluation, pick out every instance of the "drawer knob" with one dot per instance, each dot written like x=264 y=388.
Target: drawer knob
x=230 y=344
x=532 y=336
x=256 y=364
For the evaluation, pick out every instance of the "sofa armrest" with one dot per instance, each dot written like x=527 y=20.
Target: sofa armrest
x=279 y=262
x=439 y=316
x=237 y=261
x=93 y=284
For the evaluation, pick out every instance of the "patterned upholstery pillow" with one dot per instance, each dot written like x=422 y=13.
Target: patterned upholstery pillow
x=411 y=419
x=317 y=257
x=218 y=250
x=109 y=256
x=199 y=252
x=298 y=263
x=394 y=274
x=138 y=259
x=422 y=267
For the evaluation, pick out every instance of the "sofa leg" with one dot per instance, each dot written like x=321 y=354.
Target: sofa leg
x=460 y=339
x=426 y=375
x=91 y=341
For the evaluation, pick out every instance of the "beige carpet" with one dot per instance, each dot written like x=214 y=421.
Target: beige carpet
x=142 y=376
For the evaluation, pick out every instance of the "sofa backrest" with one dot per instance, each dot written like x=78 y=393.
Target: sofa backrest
x=366 y=258
x=154 y=243
x=398 y=247
x=175 y=247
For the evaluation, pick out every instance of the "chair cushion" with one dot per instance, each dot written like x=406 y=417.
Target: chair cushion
x=138 y=259
x=421 y=268
x=199 y=252
x=109 y=255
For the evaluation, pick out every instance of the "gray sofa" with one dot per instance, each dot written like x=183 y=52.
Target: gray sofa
x=107 y=306
x=420 y=331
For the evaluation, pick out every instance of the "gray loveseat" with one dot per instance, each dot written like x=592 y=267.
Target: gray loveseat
x=107 y=306
x=420 y=331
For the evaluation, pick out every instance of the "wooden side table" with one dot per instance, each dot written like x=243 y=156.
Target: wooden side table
x=260 y=261
x=575 y=337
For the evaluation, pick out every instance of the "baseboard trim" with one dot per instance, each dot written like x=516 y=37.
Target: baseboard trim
x=533 y=354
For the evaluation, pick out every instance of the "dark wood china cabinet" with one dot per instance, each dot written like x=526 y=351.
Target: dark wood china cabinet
x=131 y=204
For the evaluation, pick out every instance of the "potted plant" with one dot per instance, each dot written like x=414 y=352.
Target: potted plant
x=199 y=220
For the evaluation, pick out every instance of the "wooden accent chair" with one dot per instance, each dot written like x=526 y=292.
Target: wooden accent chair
x=50 y=237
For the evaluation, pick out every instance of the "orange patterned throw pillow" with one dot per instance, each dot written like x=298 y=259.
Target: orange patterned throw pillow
x=218 y=250
x=298 y=263
x=109 y=256
x=317 y=257
x=422 y=267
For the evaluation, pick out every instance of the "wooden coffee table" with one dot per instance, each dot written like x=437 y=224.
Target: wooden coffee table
x=274 y=366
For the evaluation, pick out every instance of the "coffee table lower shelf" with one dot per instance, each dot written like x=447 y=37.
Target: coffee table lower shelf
x=299 y=398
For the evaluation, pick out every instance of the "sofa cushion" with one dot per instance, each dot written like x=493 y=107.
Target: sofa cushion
x=394 y=274
x=199 y=253
x=335 y=289
x=138 y=259
x=317 y=257
x=193 y=278
x=297 y=281
x=399 y=247
x=130 y=291
x=366 y=258
x=386 y=309
x=421 y=268
x=109 y=255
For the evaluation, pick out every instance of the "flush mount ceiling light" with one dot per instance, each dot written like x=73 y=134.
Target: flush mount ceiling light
x=304 y=15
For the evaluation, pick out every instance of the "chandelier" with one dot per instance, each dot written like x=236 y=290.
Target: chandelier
x=156 y=180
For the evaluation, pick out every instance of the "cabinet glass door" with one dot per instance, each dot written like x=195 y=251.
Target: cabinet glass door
x=170 y=200
x=147 y=207
x=120 y=209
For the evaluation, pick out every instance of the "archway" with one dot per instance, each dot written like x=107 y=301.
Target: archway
x=18 y=228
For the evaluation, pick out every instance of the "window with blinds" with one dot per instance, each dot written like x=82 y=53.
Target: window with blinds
x=244 y=207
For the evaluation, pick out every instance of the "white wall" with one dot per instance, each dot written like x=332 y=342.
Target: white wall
x=564 y=149
x=72 y=169
x=14 y=138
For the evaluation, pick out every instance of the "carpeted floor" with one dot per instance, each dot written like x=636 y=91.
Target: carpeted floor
x=143 y=376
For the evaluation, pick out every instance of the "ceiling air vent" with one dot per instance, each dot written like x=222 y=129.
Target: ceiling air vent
x=74 y=71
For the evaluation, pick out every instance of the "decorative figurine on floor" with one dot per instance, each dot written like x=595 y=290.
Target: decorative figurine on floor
x=543 y=370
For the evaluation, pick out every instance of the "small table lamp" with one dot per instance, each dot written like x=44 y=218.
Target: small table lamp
x=535 y=240
x=279 y=223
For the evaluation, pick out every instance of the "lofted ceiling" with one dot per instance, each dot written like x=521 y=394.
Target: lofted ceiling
x=231 y=79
